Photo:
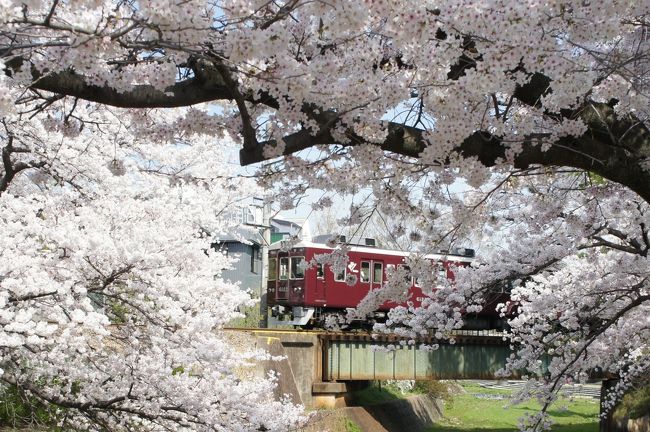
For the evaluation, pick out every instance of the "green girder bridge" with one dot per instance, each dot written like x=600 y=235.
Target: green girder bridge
x=323 y=364
x=364 y=357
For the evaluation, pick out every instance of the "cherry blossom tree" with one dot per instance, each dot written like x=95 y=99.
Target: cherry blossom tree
x=536 y=112
x=111 y=298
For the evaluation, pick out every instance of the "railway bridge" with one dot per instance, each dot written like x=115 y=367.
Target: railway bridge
x=324 y=365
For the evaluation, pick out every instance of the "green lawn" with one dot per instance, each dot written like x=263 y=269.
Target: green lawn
x=468 y=413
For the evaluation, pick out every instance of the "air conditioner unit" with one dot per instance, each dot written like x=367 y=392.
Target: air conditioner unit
x=470 y=253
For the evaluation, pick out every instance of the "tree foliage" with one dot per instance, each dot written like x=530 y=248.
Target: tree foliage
x=112 y=301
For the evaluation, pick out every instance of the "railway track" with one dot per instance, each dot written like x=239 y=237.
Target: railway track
x=459 y=336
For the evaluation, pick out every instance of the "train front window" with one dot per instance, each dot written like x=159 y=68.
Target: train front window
x=297 y=267
x=364 y=275
x=284 y=268
x=319 y=271
x=273 y=268
x=377 y=272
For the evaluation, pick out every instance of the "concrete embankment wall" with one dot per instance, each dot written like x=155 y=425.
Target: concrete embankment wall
x=286 y=381
x=282 y=368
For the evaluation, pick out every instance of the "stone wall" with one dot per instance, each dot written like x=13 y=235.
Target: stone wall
x=639 y=425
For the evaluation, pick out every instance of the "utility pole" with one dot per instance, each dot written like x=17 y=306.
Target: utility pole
x=266 y=241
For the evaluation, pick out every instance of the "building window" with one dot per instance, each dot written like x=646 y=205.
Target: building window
x=273 y=268
x=256 y=259
x=284 y=268
x=364 y=276
x=248 y=216
x=297 y=267
x=377 y=272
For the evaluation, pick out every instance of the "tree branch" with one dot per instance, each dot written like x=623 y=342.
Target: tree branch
x=614 y=147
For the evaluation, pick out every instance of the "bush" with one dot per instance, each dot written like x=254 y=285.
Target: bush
x=19 y=409
x=635 y=404
x=251 y=318
x=434 y=389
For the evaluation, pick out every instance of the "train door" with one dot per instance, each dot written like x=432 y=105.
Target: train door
x=377 y=276
x=282 y=292
x=320 y=288
x=371 y=273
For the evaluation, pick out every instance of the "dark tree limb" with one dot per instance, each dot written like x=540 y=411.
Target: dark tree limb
x=10 y=168
x=622 y=162
x=615 y=147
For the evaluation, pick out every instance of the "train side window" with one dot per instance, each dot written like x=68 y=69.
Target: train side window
x=364 y=275
x=319 y=271
x=273 y=269
x=284 y=268
x=339 y=277
x=407 y=277
x=297 y=268
x=377 y=272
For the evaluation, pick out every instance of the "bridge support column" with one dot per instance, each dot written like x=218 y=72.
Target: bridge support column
x=328 y=394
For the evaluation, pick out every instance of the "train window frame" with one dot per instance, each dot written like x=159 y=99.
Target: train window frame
x=320 y=271
x=284 y=273
x=343 y=275
x=273 y=265
x=291 y=267
x=381 y=272
x=368 y=277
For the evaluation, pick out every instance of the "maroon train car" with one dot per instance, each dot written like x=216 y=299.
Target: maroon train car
x=306 y=296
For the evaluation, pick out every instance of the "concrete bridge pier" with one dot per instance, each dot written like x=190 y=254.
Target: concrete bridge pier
x=328 y=394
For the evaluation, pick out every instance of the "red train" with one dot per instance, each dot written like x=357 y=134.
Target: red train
x=304 y=297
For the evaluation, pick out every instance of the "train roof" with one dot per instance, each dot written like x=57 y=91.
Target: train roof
x=363 y=248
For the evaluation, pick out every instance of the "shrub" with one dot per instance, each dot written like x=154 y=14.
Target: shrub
x=19 y=409
x=635 y=404
x=434 y=389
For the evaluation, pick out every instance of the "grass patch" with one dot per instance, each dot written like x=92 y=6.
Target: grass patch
x=350 y=426
x=472 y=413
